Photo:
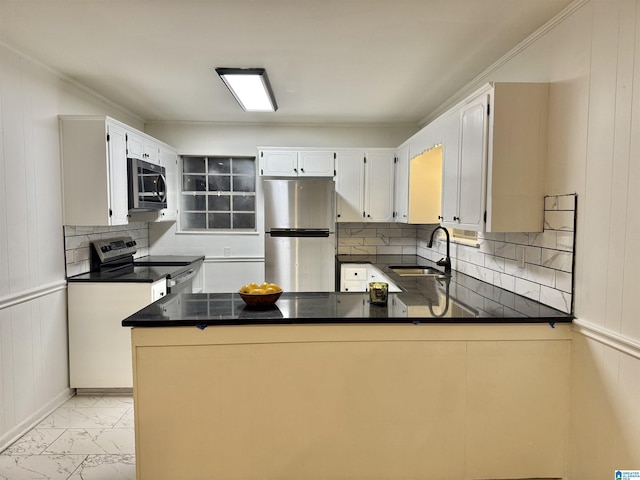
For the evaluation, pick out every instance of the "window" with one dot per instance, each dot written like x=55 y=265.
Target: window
x=218 y=194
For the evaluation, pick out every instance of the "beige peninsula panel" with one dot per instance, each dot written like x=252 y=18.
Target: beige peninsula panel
x=339 y=401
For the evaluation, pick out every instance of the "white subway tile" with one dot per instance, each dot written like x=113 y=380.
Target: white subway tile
x=546 y=239
x=541 y=275
x=557 y=260
x=564 y=281
x=519 y=238
x=555 y=299
x=527 y=289
x=494 y=263
x=565 y=241
x=551 y=203
x=505 y=250
x=533 y=255
x=560 y=220
x=567 y=202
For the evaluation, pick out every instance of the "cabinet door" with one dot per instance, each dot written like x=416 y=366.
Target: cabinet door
x=316 y=164
x=350 y=186
x=169 y=160
x=401 y=188
x=473 y=161
x=151 y=151
x=135 y=146
x=278 y=163
x=118 y=190
x=379 y=183
x=450 y=167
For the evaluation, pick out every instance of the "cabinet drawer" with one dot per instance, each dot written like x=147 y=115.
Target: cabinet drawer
x=355 y=273
x=354 y=286
x=158 y=290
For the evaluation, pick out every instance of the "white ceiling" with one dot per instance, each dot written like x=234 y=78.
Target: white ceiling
x=329 y=61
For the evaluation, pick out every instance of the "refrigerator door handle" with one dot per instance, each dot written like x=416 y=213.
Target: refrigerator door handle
x=299 y=232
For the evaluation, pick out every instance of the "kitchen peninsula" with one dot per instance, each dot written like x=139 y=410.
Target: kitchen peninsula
x=326 y=386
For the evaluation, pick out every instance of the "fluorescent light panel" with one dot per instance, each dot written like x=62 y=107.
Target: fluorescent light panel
x=250 y=87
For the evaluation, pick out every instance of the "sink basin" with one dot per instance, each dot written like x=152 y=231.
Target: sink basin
x=416 y=271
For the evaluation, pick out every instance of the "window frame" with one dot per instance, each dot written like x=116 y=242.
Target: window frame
x=209 y=174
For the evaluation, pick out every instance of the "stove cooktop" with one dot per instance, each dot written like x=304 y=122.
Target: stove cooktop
x=167 y=260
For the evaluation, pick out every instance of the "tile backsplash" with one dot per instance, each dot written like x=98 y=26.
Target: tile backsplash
x=547 y=274
x=77 y=243
x=377 y=239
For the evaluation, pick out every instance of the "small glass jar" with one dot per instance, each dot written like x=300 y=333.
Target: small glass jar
x=378 y=293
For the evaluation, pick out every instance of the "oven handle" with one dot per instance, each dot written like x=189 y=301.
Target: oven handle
x=183 y=277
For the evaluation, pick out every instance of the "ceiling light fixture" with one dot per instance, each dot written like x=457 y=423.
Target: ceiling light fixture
x=250 y=87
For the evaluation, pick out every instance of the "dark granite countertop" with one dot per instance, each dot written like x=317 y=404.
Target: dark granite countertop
x=457 y=299
x=146 y=269
x=125 y=274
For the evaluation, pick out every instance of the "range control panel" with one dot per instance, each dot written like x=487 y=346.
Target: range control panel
x=112 y=248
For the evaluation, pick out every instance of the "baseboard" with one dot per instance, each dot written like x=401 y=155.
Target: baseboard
x=31 y=421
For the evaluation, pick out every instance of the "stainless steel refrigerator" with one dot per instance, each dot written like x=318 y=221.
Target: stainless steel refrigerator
x=300 y=242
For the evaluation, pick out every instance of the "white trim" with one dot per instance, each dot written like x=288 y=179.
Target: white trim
x=606 y=337
x=72 y=82
x=31 y=294
x=32 y=420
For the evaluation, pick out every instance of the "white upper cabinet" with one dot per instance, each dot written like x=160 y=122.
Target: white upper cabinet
x=94 y=171
x=316 y=163
x=378 y=186
x=494 y=154
x=350 y=186
x=142 y=148
x=365 y=185
x=296 y=163
x=168 y=158
x=401 y=187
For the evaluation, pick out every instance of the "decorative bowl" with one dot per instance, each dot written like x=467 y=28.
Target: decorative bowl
x=260 y=300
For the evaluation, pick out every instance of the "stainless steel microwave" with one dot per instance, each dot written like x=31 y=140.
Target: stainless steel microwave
x=147 y=184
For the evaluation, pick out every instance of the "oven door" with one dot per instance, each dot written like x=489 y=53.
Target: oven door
x=147 y=185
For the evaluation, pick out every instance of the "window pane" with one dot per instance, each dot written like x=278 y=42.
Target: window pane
x=219 y=220
x=243 y=184
x=244 y=220
x=218 y=193
x=194 y=220
x=193 y=164
x=219 y=165
x=194 y=183
x=221 y=184
x=222 y=202
x=245 y=204
x=245 y=166
x=194 y=202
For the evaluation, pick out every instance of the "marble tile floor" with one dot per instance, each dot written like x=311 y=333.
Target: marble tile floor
x=86 y=438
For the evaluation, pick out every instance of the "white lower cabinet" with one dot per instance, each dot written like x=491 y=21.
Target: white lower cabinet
x=355 y=277
x=99 y=346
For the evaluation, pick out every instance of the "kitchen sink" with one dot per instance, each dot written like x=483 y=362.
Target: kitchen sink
x=416 y=271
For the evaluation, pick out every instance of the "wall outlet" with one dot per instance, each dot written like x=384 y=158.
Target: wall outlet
x=227 y=251
x=520 y=254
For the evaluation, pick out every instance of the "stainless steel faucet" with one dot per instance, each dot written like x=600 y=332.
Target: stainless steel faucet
x=443 y=262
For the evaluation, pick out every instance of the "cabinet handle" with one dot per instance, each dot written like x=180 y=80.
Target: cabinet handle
x=440 y=217
x=302 y=170
x=295 y=170
x=455 y=219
